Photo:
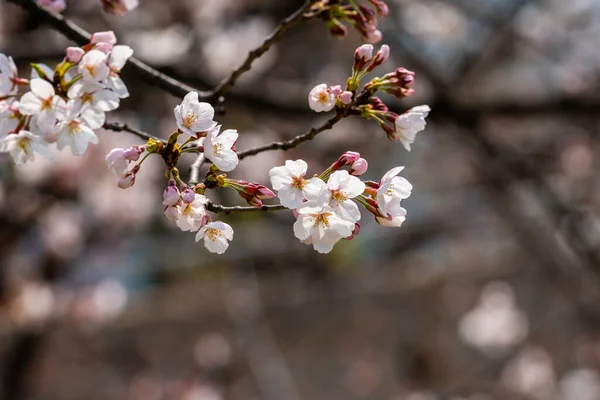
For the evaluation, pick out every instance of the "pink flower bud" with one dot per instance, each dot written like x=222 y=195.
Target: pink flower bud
x=103 y=47
x=172 y=212
x=348 y=158
x=74 y=54
x=373 y=36
x=264 y=193
x=355 y=232
x=372 y=184
x=126 y=181
x=359 y=167
x=188 y=196
x=171 y=195
x=133 y=153
x=346 y=97
x=56 y=6
x=381 y=7
x=364 y=52
x=335 y=90
x=104 y=37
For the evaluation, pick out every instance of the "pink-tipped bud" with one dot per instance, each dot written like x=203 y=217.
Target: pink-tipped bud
x=56 y=6
x=263 y=193
x=377 y=104
x=171 y=195
x=359 y=167
x=372 y=184
x=373 y=36
x=133 y=153
x=346 y=97
x=126 y=181
x=103 y=47
x=188 y=196
x=104 y=37
x=380 y=7
x=74 y=54
x=172 y=212
x=335 y=90
x=348 y=158
x=362 y=55
x=336 y=28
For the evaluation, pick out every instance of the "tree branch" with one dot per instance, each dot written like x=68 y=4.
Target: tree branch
x=227 y=83
x=119 y=127
x=290 y=144
x=216 y=208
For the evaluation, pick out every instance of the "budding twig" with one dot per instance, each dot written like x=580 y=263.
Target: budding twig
x=290 y=144
x=119 y=127
x=227 y=83
x=216 y=208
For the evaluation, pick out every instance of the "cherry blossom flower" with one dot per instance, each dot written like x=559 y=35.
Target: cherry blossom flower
x=75 y=133
x=216 y=236
x=9 y=118
x=116 y=161
x=23 y=145
x=43 y=103
x=92 y=100
x=321 y=227
x=341 y=188
x=193 y=215
x=392 y=189
x=396 y=215
x=8 y=76
x=116 y=61
x=194 y=116
x=219 y=148
x=292 y=187
x=93 y=66
x=321 y=99
x=409 y=124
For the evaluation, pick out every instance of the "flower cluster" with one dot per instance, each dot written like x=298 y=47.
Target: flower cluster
x=326 y=207
x=63 y=105
x=401 y=127
x=364 y=19
x=115 y=7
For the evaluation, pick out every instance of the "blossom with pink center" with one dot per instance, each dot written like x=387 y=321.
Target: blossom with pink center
x=338 y=193
x=322 y=227
x=193 y=116
x=9 y=118
x=291 y=186
x=93 y=66
x=216 y=235
x=43 y=103
x=392 y=189
x=92 y=100
x=193 y=215
x=320 y=98
x=409 y=124
x=22 y=147
x=76 y=134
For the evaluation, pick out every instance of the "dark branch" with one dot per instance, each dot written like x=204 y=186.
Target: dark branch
x=216 y=208
x=290 y=144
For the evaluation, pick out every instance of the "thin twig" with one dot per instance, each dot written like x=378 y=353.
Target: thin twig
x=227 y=83
x=119 y=127
x=290 y=144
x=216 y=208
x=195 y=169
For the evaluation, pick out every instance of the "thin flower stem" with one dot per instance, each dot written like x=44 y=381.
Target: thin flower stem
x=227 y=83
x=216 y=208
x=290 y=144
x=119 y=127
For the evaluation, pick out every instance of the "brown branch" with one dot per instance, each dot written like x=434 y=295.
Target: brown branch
x=216 y=208
x=119 y=127
x=290 y=144
x=227 y=83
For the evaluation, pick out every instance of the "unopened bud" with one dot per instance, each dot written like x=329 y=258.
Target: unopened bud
x=337 y=29
x=74 y=54
x=380 y=7
x=373 y=36
x=380 y=57
x=359 y=167
x=104 y=37
x=188 y=196
x=172 y=212
x=133 y=153
x=335 y=90
x=171 y=195
x=346 y=97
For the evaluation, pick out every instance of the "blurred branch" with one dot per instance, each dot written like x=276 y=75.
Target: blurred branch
x=290 y=144
x=277 y=34
x=119 y=127
x=216 y=208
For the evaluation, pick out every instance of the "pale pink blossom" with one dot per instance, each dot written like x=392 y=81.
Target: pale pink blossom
x=219 y=148
x=321 y=227
x=409 y=124
x=193 y=116
x=22 y=147
x=216 y=235
x=320 y=98
x=291 y=186
x=93 y=66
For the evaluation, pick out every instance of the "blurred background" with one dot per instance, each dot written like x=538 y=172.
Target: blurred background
x=490 y=290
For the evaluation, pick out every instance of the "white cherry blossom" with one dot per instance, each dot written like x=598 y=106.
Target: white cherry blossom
x=93 y=66
x=292 y=187
x=116 y=61
x=23 y=145
x=392 y=189
x=396 y=215
x=321 y=99
x=43 y=103
x=216 y=236
x=409 y=124
x=194 y=116
x=8 y=76
x=9 y=118
x=75 y=133
x=193 y=215
x=218 y=148
x=341 y=188
x=321 y=227
x=92 y=100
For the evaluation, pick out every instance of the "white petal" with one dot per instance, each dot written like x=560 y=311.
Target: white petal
x=297 y=168
x=290 y=197
x=228 y=137
x=279 y=177
x=391 y=173
x=226 y=161
x=30 y=104
x=106 y=100
x=118 y=86
x=41 y=88
x=119 y=56
x=303 y=226
x=93 y=117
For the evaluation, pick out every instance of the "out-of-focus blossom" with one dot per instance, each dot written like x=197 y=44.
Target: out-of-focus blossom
x=23 y=145
x=119 y=7
x=531 y=374
x=56 y=6
x=8 y=76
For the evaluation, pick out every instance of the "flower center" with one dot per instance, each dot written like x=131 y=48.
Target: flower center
x=298 y=182
x=24 y=144
x=74 y=127
x=91 y=69
x=390 y=190
x=217 y=148
x=47 y=103
x=189 y=119
x=322 y=97
x=339 y=196
x=87 y=98
x=213 y=234
x=322 y=219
